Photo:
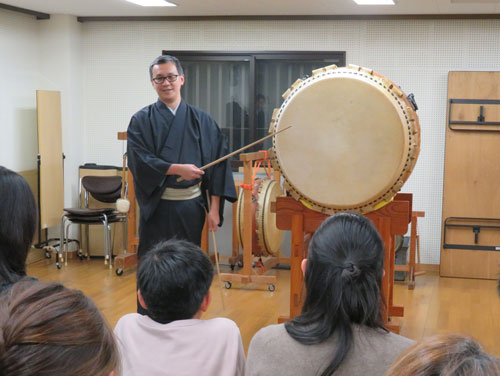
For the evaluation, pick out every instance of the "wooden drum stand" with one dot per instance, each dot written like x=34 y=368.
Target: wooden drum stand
x=390 y=220
x=247 y=273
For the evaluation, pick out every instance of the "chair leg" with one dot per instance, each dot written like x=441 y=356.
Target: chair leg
x=125 y=235
x=112 y=237
x=110 y=248
x=107 y=242
x=87 y=242
x=105 y=232
x=61 y=243
x=66 y=248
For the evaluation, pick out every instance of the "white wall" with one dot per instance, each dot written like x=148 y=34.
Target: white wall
x=415 y=54
x=60 y=57
x=40 y=55
x=19 y=77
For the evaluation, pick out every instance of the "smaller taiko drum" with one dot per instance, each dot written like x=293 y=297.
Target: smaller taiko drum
x=266 y=237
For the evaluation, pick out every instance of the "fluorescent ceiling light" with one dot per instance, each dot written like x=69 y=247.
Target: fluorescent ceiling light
x=474 y=1
x=375 y=2
x=153 y=3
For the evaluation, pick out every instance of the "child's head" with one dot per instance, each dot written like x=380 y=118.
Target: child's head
x=173 y=279
x=48 y=329
x=445 y=355
x=344 y=269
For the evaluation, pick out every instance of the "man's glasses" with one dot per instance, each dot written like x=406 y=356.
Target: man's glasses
x=161 y=79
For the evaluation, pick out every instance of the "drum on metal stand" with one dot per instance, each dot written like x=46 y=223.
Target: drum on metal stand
x=354 y=141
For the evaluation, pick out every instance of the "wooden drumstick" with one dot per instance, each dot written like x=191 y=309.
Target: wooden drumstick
x=239 y=151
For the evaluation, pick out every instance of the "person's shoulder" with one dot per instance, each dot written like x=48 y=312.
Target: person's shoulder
x=274 y=329
x=400 y=340
x=383 y=338
x=126 y=320
x=143 y=112
x=222 y=323
x=202 y=115
x=271 y=333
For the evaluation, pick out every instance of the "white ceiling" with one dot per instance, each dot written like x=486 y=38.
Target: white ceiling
x=88 y=8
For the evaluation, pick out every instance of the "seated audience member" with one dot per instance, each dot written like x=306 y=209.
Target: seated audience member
x=340 y=330
x=445 y=355
x=49 y=330
x=174 y=281
x=18 y=219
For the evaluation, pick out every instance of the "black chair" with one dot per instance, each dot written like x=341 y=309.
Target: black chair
x=107 y=189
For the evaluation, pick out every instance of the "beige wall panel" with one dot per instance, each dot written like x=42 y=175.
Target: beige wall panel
x=50 y=150
x=472 y=176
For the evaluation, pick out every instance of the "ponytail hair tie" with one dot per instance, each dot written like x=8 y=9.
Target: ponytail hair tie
x=350 y=271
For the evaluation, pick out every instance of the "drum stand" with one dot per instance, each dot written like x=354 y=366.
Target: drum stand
x=390 y=220
x=413 y=267
x=247 y=273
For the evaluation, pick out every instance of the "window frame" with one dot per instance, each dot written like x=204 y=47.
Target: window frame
x=252 y=57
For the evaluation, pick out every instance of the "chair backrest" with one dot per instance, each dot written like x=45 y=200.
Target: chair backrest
x=103 y=188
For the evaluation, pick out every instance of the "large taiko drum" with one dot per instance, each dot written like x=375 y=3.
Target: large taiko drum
x=266 y=237
x=354 y=141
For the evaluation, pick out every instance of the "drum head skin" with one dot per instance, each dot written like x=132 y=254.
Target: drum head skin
x=354 y=140
x=268 y=235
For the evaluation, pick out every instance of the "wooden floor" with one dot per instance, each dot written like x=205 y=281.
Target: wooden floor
x=437 y=305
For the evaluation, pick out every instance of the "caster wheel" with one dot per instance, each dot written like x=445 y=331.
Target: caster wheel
x=59 y=266
x=271 y=287
x=240 y=264
x=81 y=256
x=119 y=272
x=232 y=266
x=228 y=285
x=48 y=255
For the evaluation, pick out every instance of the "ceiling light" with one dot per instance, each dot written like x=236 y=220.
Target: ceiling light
x=153 y=3
x=375 y=2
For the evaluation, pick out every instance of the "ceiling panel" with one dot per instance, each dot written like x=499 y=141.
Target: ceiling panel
x=88 y=8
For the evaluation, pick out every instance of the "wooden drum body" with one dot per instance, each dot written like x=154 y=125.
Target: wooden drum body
x=354 y=141
x=266 y=237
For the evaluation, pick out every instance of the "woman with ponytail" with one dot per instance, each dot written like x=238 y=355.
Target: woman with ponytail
x=340 y=330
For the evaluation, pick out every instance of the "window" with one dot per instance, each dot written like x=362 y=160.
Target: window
x=241 y=89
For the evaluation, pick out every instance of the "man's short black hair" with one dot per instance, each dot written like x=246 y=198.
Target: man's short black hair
x=164 y=59
x=174 y=278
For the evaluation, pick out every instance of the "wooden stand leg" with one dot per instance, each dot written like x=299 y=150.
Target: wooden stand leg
x=296 y=277
x=235 y=257
x=247 y=275
x=414 y=263
x=411 y=263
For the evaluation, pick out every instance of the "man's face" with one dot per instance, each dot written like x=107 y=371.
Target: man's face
x=169 y=92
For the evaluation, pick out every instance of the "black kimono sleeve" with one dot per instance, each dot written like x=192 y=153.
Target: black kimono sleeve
x=148 y=170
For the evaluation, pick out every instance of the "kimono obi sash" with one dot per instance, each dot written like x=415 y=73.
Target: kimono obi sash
x=179 y=194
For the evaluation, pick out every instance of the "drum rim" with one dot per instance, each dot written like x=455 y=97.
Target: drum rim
x=406 y=113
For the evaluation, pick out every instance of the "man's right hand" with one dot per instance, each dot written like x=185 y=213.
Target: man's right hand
x=185 y=171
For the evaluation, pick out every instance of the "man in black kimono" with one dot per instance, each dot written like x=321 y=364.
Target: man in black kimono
x=171 y=139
